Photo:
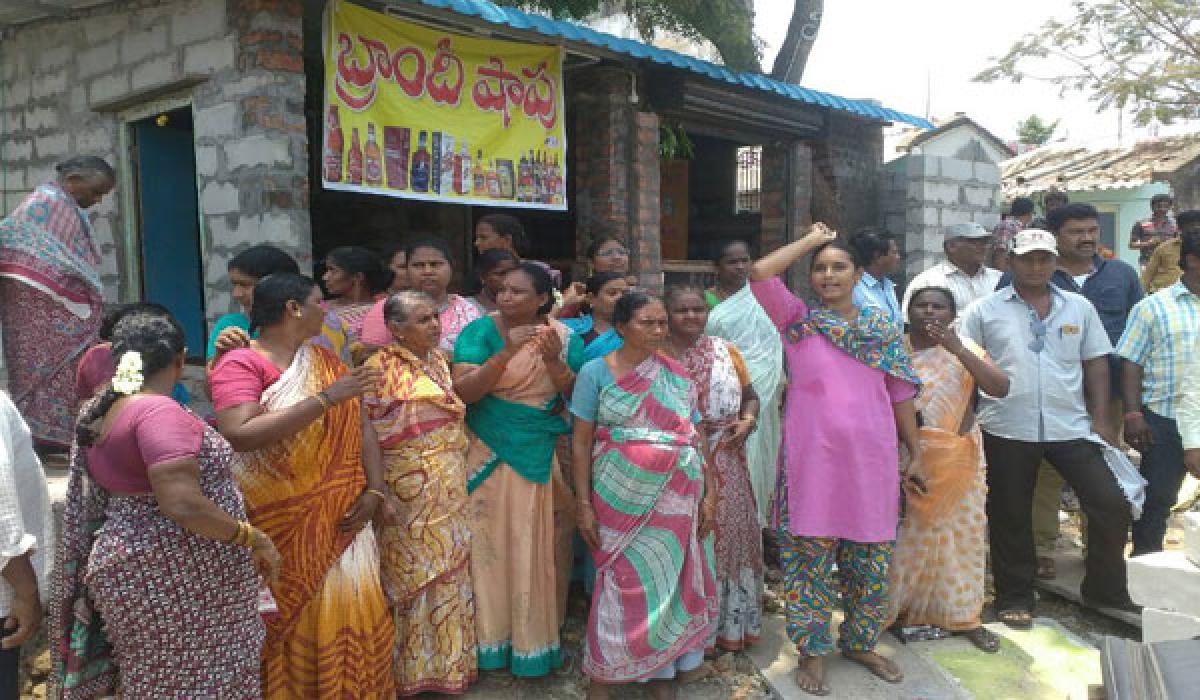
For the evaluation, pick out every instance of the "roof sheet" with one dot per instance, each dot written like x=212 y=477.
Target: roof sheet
x=571 y=32
x=1077 y=168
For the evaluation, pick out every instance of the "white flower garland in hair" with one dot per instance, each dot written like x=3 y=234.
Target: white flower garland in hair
x=129 y=379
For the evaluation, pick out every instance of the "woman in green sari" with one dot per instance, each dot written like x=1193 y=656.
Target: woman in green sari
x=512 y=368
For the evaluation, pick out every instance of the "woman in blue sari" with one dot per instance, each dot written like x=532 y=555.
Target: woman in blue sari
x=599 y=336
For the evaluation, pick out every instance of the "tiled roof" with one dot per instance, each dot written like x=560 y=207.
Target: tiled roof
x=1077 y=168
x=578 y=34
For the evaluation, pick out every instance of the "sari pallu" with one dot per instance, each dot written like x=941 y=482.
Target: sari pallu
x=716 y=370
x=333 y=634
x=938 y=568
x=741 y=320
x=425 y=553
x=52 y=303
x=655 y=597
x=121 y=565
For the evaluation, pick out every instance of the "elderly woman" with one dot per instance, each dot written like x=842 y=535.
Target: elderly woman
x=51 y=298
x=938 y=566
x=511 y=368
x=729 y=407
x=851 y=393
x=310 y=470
x=647 y=503
x=154 y=527
x=430 y=270
x=425 y=549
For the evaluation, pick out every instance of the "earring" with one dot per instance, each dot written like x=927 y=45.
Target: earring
x=299 y=315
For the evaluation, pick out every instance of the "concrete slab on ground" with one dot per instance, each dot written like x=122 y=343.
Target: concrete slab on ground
x=1066 y=584
x=775 y=657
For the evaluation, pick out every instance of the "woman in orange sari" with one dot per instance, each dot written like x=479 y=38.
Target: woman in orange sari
x=425 y=549
x=937 y=572
x=312 y=480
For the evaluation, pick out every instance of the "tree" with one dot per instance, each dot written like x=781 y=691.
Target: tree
x=802 y=34
x=1141 y=54
x=1035 y=131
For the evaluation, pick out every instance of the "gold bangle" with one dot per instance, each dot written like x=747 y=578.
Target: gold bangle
x=377 y=492
x=251 y=536
x=239 y=538
x=237 y=533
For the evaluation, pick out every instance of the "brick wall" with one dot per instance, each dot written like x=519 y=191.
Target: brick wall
x=616 y=170
x=847 y=166
x=251 y=153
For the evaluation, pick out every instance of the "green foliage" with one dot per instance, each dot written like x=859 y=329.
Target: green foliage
x=1137 y=54
x=674 y=143
x=1033 y=130
x=728 y=24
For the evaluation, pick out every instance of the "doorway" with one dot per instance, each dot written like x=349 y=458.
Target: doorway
x=163 y=156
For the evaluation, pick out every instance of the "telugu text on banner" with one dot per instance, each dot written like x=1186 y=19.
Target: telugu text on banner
x=415 y=112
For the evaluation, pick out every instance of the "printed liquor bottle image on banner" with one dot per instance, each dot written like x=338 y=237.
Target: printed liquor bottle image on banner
x=415 y=112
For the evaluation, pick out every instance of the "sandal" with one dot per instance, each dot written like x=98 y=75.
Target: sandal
x=1046 y=570
x=1016 y=619
x=983 y=639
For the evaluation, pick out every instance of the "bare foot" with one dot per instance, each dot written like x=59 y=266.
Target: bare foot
x=662 y=690
x=810 y=675
x=883 y=667
x=699 y=673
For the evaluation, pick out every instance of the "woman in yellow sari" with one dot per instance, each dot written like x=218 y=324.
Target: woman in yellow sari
x=512 y=367
x=425 y=549
x=937 y=572
x=312 y=480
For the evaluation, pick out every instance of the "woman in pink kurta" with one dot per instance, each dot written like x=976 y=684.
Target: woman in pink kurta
x=850 y=392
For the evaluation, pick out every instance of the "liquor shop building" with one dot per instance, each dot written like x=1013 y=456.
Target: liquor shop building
x=311 y=124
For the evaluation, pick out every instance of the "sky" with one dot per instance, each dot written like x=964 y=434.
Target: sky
x=890 y=50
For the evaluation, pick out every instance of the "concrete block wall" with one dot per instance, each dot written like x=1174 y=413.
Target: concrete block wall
x=922 y=194
x=251 y=151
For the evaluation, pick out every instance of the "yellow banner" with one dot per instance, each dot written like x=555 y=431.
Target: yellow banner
x=415 y=112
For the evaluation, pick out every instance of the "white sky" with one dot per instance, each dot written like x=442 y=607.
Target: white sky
x=888 y=49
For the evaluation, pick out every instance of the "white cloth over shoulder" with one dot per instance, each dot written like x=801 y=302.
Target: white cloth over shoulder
x=1132 y=484
x=24 y=501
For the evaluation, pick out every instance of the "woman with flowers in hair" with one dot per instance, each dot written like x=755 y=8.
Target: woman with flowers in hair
x=154 y=528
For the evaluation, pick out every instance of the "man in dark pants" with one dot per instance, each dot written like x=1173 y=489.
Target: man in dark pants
x=1156 y=346
x=1052 y=344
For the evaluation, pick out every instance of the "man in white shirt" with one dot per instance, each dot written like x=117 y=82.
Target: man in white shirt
x=963 y=271
x=24 y=547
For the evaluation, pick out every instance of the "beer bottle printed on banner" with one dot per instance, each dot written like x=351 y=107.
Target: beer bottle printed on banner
x=372 y=159
x=334 y=145
x=419 y=178
x=435 y=169
x=354 y=162
x=395 y=156
x=462 y=182
x=479 y=179
x=493 y=183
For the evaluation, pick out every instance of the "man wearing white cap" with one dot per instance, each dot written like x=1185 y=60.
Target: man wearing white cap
x=1052 y=345
x=963 y=271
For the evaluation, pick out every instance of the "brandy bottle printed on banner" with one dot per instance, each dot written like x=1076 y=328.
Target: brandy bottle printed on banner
x=372 y=159
x=335 y=143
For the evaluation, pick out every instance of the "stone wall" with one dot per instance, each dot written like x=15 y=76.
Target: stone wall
x=847 y=172
x=925 y=193
x=787 y=200
x=236 y=61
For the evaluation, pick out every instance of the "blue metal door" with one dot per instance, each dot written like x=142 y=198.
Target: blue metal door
x=170 y=229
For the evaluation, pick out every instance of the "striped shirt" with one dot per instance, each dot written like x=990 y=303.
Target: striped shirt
x=1188 y=415
x=1161 y=335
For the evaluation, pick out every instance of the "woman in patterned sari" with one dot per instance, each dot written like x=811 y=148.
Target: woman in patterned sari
x=647 y=503
x=511 y=368
x=729 y=408
x=938 y=566
x=312 y=476
x=425 y=549
x=51 y=298
x=155 y=593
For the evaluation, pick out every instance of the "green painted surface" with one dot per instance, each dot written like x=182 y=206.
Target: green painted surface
x=1038 y=664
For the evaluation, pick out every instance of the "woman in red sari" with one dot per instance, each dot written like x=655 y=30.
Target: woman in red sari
x=312 y=477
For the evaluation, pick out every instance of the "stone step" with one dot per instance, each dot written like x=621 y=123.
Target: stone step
x=1164 y=625
x=1191 y=537
x=1167 y=581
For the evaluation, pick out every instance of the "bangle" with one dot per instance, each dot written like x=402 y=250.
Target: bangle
x=376 y=492
x=323 y=399
x=244 y=537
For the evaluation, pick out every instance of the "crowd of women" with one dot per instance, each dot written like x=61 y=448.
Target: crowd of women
x=400 y=482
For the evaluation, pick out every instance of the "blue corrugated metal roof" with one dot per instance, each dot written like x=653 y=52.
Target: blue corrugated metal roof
x=511 y=17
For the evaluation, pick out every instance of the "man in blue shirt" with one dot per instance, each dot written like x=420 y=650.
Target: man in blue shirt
x=879 y=256
x=1113 y=287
